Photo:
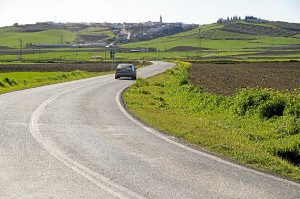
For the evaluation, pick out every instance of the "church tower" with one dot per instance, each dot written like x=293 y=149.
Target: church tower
x=160 y=19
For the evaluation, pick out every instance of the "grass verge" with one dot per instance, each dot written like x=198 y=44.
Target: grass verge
x=22 y=80
x=256 y=127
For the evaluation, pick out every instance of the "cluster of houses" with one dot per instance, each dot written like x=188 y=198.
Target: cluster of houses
x=125 y=32
x=128 y=32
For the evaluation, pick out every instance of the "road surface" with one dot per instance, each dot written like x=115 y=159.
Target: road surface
x=75 y=140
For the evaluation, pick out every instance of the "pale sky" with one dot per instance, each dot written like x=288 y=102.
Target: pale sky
x=186 y=11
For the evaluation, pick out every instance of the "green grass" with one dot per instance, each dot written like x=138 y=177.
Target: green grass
x=97 y=31
x=120 y=56
x=22 y=80
x=259 y=128
x=11 y=39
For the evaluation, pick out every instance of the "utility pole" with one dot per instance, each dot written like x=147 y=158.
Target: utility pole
x=112 y=57
x=21 y=49
x=199 y=43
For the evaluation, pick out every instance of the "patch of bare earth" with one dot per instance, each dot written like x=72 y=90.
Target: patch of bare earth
x=63 y=67
x=226 y=79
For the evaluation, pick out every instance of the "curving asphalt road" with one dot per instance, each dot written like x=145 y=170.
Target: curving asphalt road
x=75 y=140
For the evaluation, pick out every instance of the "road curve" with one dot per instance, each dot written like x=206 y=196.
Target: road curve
x=75 y=140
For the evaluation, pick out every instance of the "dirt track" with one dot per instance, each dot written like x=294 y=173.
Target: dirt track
x=226 y=79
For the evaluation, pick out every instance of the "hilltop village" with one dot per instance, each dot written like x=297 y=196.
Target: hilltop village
x=106 y=34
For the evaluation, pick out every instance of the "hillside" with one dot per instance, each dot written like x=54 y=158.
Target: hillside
x=99 y=34
x=267 y=28
x=238 y=38
x=51 y=33
x=233 y=39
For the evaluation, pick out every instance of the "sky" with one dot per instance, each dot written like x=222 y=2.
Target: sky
x=115 y=11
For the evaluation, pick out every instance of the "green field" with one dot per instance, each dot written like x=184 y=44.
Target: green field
x=12 y=39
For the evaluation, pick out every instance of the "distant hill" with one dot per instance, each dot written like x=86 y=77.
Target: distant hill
x=82 y=33
x=162 y=36
x=238 y=38
x=265 y=28
x=57 y=33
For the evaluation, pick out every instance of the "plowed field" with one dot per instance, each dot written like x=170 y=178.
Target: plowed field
x=90 y=67
x=63 y=67
x=226 y=79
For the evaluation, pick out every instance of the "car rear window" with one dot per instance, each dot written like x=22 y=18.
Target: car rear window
x=123 y=66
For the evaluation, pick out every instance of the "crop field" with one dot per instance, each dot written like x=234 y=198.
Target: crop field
x=226 y=79
x=54 y=67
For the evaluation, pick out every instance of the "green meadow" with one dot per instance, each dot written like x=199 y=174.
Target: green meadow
x=10 y=38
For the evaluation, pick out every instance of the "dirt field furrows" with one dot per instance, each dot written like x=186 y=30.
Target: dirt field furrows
x=90 y=67
x=226 y=79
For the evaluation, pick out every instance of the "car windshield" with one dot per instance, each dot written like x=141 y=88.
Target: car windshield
x=124 y=66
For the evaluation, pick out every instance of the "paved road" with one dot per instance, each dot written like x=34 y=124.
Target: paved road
x=74 y=140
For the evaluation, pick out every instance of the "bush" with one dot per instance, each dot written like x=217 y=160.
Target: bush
x=293 y=107
x=249 y=100
x=271 y=108
x=182 y=73
x=265 y=103
x=183 y=80
x=10 y=82
x=141 y=82
x=289 y=152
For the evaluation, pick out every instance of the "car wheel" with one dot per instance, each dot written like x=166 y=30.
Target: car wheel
x=116 y=77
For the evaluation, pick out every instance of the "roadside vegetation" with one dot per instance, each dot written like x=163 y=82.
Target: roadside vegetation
x=13 y=81
x=258 y=127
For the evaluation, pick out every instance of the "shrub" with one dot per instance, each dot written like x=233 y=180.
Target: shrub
x=290 y=152
x=141 y=82
x=293 y=107
x=143 y=91
x=294 y=127
x=265 y=103
x=10 y=82
x=248 y=100
x=271 y=108
x=62 y=76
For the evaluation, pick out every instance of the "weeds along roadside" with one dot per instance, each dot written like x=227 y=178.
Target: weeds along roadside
x=256 y=127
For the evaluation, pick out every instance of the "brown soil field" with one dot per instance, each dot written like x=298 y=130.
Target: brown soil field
x=51 y=67
x=226 y=79
x=63 y=67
